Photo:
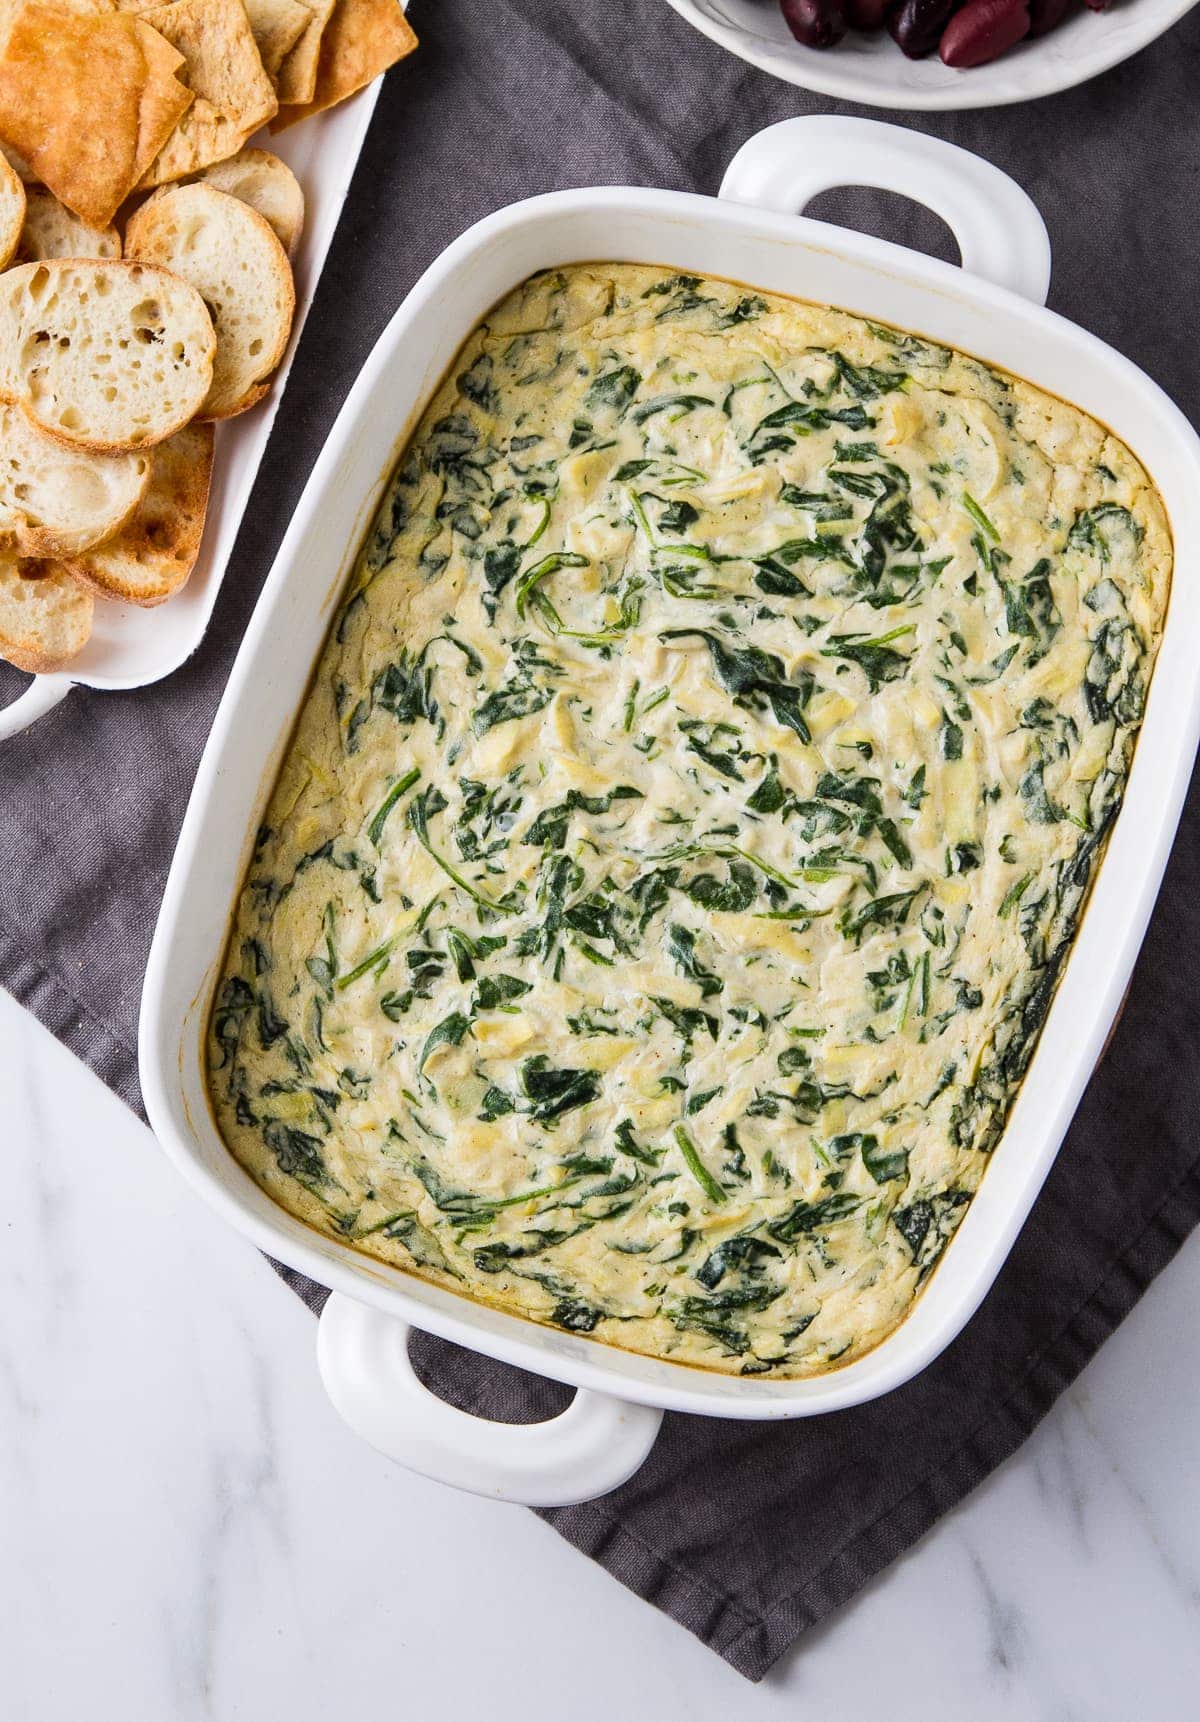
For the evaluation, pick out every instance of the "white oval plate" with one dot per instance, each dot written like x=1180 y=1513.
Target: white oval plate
x=872 y=69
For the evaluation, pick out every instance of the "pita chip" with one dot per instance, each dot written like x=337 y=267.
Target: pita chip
x=277 y=26
x=362 y=39
x=87 y=102
x=296 y=79
x=222 y=65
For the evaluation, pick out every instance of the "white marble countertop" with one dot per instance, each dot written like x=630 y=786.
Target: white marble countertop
x=187 y=1531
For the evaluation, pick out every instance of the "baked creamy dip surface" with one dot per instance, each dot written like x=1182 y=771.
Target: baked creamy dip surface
x=691 y=812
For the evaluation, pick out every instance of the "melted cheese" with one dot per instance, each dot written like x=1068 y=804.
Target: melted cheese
x=695 y=800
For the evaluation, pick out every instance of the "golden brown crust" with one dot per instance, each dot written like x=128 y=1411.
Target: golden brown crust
x=152 y=556
x=94 y=447
x=234 y=409
x=916 y=1010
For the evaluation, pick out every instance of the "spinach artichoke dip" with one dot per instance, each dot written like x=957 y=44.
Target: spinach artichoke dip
x=690 y=815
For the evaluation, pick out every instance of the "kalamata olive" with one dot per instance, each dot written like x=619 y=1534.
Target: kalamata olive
x=865 y=14
x=984 y=30
x=1045 y=14
x=816 y=23
x=916 y=25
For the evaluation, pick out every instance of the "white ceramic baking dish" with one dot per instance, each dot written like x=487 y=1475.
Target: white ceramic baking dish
x=991 y=307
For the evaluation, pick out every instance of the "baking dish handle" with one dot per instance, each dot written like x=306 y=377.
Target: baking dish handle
x=33 y=702
x=1000 y=234
x=592 y=1447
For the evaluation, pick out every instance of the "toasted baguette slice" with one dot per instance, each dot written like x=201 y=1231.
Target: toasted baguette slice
x=45 y=615
x=267 y=184
x=56 y=500
x=12 y=209
x=51 y=230
x=104 y=355
x=154 y=553
x=230 y=255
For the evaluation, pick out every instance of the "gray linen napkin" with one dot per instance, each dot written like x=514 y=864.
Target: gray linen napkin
x=747 y=1534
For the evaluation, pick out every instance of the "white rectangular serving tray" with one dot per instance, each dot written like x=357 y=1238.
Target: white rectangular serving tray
x=131 y=646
